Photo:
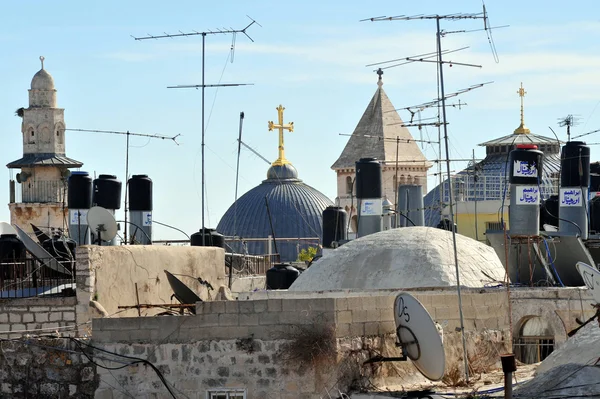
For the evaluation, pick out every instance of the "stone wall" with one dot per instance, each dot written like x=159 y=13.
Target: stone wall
x=34 y=316
x=266 y=345
x=45 y=368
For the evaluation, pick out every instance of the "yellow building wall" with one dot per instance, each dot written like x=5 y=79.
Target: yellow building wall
x=466 y=223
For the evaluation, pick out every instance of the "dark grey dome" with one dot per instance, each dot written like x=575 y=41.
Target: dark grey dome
x=296 y=212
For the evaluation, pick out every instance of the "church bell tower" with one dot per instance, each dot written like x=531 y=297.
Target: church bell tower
x=40 y=192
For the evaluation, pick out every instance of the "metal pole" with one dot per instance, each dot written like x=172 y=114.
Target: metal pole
x=396 y=183
x=126 y=184
x=475 y=191
x=462 y=325
x=203 y=41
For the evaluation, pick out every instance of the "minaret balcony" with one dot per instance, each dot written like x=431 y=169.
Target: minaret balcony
x=42 y=191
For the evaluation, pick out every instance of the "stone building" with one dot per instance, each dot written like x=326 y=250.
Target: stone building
x=41 y=194
x=380 y=134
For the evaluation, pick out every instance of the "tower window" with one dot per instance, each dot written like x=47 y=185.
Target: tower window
x=32 y=133
x=57 y=133
x=348 y=185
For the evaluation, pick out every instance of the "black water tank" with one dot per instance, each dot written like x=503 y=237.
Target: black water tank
x=368 y=178
x=140 y=193
x=575 y=165
x=525 y=165
x=595 y=176
x=281 y=276
x=549 y=214
x=334 y=225
x=107 y=192
x=595 y=215
x=80 y=191
x=211 y=239
x=11 y=248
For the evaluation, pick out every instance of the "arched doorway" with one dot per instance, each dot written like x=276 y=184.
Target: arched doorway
x=535 y=341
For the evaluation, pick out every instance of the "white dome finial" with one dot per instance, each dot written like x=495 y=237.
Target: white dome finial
x=42 y=60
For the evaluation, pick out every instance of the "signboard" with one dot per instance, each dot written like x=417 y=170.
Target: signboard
x=371 y=207
x=146 y=218
x=570 y=197
x=525 y=169
x=528 y=195
x=78 y=216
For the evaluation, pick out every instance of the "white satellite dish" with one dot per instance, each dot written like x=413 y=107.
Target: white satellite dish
x=102 y=223
x=6 y=228
x=591 y=278
x=419 y=337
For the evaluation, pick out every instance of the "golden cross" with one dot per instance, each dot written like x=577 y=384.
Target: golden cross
x=522 y=129
x=281 y=126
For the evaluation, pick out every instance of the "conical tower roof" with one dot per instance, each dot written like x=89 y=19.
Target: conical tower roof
x=376 y=133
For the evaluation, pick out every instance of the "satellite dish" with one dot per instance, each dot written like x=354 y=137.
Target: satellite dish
x=22 y=177
x=419 y=337
x=591 y=278
x=102 y=223
x=41 y=236
x=182 y=292
x=40 y=253
x=6 y=228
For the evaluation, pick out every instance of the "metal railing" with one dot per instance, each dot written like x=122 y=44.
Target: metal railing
x=489 y=187
x=531 y=350
x=41 y=191
x=249 y=265
x=25 y=278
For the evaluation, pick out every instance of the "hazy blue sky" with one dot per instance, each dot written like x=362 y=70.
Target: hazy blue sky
x=309 y=56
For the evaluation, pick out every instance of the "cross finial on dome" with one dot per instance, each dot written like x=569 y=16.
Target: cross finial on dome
x=42 y=60
x=522 y=129
x=380 y=73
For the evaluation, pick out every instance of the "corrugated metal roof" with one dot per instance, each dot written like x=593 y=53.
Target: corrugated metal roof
x=516 y=139
x=296 y=211
x=44 y=160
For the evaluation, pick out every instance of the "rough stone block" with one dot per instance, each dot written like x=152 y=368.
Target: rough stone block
x=342 y=330
x=371 y=328
x=206 y=320
x=289 y=305
x=357 y=329
x=3 y=318
x=354 y=303
x=14 y=317
x=36 y=309
x=446 y=313
x=41 y=317
x=274 y=305
x=344 y=316
x=260 y=305
x=341 y=304
x=232 y=307
x=55 y=316
x=368 y=303
x=360 y=316
x=387 y=327
x=248 y=319
x=216 y=307
x=68 y=316
x=246 y=306
x=269 y=318
x=18 y=327
x=228 y=319
x=48 y=326
x=385 y=302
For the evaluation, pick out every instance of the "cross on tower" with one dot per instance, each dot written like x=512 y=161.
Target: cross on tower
x=380 y=73
x=281 y=126
x=522 y=129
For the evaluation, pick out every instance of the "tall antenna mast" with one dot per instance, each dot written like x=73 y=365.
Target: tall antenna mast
x=440 y=63
x=568 y=121
x=128 y=133
x=232 y=31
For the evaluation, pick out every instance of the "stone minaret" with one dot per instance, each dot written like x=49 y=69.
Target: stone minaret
x=44 y=168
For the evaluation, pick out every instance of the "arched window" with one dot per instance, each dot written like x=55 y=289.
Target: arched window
x=535 y=341
x=32 y=133
x=348 y=185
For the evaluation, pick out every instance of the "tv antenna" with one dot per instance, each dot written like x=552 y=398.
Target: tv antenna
x=442 y=98
x=419 y=338
x=568 y=121
x=203 y=85
x=128 y=134
x=585 y=134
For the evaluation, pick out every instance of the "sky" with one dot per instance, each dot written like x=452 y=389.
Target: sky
x=308 y=55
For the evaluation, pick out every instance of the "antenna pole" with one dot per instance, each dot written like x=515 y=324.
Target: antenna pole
x=203 y=226
x=126 y=184
x=237 y=174
x=397 y=181
x=475 y=196
x=450 y=191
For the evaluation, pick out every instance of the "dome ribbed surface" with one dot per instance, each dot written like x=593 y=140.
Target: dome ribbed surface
x=42 y=80
x=296 y=212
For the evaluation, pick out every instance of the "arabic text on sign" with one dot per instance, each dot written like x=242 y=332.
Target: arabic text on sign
x=525 y=169
x=571 y=197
